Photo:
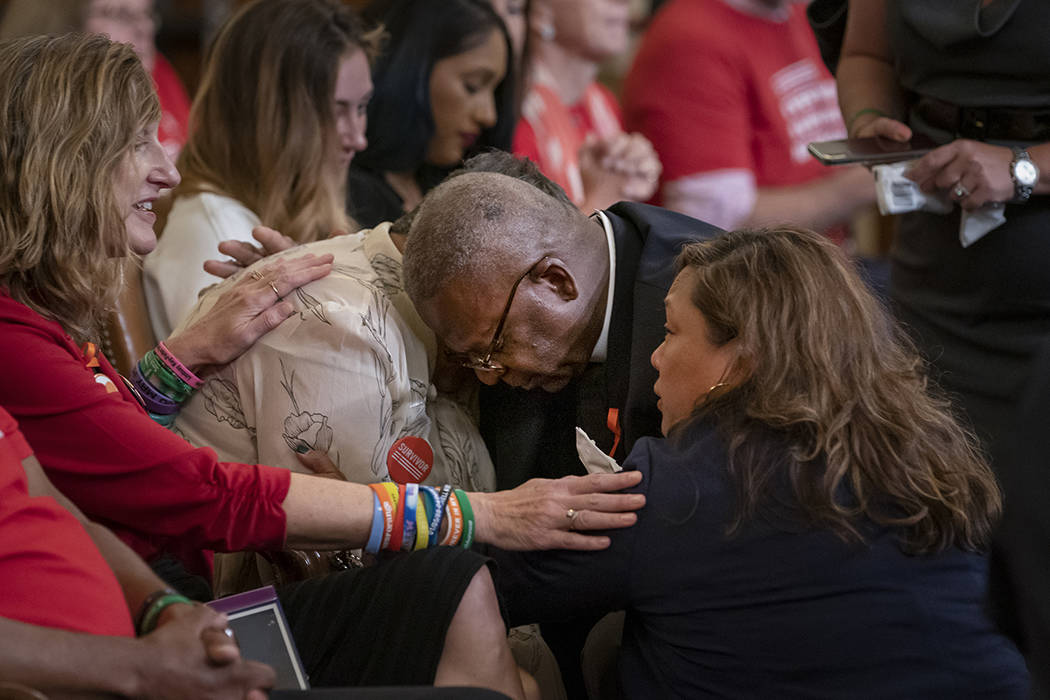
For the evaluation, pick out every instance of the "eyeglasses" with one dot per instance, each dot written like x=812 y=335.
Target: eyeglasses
x=484 y=363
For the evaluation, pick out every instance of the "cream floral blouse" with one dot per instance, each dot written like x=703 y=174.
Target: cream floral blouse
x=349 y=374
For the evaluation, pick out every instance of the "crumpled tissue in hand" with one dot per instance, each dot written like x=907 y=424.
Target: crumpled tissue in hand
x=897 y=194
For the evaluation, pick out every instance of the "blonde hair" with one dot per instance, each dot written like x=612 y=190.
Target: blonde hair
x=827 y=369
x=70 y=109
x=261 y=124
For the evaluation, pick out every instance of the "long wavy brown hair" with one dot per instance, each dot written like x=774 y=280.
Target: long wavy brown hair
x=70 y=109
x=824 y=367
x=262 y=127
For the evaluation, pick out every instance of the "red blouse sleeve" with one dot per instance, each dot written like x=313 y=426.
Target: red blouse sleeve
x=104 y=452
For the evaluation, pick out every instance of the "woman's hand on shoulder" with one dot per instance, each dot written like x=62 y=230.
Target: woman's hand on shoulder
x=242 y=254
x=251 y=307
x=551 y=513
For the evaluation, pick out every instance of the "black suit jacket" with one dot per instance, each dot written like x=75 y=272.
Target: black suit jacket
x=532 y=433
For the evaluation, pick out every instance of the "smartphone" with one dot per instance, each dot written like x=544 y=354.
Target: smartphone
x=870 y=150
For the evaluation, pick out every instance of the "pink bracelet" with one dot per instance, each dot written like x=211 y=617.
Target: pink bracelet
x=181 y=371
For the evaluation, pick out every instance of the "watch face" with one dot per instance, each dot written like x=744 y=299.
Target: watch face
x=1025 y=172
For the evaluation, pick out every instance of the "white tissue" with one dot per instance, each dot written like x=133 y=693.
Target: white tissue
x=593 y=459
x=897 y=194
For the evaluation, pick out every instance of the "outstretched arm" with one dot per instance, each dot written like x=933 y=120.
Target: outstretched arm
x=327 y=514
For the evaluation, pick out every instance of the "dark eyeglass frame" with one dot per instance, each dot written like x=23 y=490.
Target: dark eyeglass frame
x=484 y=363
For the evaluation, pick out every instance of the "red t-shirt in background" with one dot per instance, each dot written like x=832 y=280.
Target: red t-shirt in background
x=51 y=573
x=716 y=88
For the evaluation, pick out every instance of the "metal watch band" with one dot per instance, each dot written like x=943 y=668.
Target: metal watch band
x=1021 y=191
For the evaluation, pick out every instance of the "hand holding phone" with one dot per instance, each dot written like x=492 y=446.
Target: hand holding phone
x=870 y=150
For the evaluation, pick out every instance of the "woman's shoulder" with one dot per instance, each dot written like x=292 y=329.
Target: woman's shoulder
x=694 y=454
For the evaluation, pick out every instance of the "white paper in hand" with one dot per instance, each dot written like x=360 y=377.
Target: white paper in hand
x=593 y=459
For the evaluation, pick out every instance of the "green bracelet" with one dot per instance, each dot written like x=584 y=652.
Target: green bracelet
x=166 y=381
x=151 y=614
x=861 y=113
x=468 y=519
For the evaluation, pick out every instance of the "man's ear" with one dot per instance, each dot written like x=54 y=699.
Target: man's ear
x=555 y=275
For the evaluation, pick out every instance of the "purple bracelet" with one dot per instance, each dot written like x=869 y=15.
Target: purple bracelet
x=181 y=371
x=153 y=399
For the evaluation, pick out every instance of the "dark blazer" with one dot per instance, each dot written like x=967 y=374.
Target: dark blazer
x=778 y=609
x=532 y=434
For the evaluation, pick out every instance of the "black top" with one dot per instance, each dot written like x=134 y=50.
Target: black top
x=776 y=611
x=370 y=200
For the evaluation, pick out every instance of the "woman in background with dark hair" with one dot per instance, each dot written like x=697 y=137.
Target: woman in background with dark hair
x=815 y=519
x=444 y=89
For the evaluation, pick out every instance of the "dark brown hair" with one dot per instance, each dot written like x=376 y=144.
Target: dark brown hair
x=823 y=365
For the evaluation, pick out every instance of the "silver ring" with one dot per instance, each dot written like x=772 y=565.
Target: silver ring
x=228 y=632
x=274 y=288
x=960 y=191
x=254 y=274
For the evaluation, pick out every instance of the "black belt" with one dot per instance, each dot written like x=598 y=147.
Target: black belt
x=985 y=123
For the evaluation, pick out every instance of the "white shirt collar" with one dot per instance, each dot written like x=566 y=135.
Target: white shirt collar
x=601 y=348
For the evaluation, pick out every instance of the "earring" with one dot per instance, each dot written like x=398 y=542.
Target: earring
x=546 y=31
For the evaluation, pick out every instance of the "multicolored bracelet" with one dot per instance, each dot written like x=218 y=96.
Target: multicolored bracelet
x=163 y=384
x=162 y=378
x=410 y=517
x=181 y=371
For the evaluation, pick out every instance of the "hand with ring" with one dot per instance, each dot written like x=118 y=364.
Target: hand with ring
x=557 y=513
x=249 y=308
x=973 y=173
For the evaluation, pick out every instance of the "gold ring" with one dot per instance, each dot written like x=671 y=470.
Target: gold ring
x=274 y=288
x=254 y=274
x=571 y=515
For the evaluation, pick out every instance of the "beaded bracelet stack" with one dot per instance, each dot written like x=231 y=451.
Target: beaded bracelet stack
x=163 y=383
x=408 y=517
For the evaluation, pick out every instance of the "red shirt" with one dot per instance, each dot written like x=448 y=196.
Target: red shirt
x=716 y=88
x=551 y=133
x=51 y=573
x=101 y=449
x=174 y=107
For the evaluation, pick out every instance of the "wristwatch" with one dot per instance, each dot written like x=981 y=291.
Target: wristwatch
x=1024 y=173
